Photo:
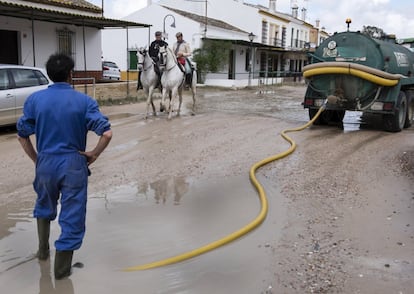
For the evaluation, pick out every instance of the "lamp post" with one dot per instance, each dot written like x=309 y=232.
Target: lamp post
x=251 y=37
x=172 y=25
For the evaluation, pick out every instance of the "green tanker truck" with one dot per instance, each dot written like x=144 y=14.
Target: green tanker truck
x=352 y=71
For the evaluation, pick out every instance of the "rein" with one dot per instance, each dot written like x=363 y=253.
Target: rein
x=143 y=63
x=175 y=62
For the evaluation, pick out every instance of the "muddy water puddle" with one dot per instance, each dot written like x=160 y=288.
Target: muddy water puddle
x=285 y=104
x=279 y=104
x=137 y=224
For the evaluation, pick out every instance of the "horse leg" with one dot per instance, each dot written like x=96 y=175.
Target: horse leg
x=193 y=92
x=180 y=99
x=151 y=92
x=148 y=101
x=173 y=94
x=170 y=99
x=162 y=105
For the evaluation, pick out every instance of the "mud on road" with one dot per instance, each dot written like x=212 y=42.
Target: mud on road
x=340 y=214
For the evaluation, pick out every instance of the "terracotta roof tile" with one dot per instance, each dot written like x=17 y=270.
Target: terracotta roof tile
x=74 y=4
x=202 y=19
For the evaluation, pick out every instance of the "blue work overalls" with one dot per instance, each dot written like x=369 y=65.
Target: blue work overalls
x=61 y=117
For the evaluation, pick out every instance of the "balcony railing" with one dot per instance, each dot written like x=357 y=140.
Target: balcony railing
x=276 y=42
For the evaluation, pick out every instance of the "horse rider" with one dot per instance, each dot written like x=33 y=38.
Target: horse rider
x=154 y=50
x=182 y=50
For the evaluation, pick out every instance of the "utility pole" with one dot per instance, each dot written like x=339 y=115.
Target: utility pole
x=205 y=20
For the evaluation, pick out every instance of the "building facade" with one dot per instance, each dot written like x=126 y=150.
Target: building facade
x=30 y=31
x=276 y=52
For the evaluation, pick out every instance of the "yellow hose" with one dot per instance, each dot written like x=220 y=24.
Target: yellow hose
x=350 y=71
x=361 y=67
x=249 y=227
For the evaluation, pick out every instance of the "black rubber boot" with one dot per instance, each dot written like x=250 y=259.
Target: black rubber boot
x=187 y=81
x=63 y=264
x=43 y=232
x=139 y=86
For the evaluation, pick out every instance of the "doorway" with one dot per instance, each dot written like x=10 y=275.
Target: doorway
x=9 y=51
x=231 y=65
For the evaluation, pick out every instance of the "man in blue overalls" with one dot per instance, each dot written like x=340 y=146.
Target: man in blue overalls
x=60 y=118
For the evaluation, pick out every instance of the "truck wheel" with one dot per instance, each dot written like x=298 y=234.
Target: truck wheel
x=395 y=122
x=410 y=112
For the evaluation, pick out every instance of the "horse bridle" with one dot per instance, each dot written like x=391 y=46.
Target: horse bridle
x=164 y=63
x=144 y=53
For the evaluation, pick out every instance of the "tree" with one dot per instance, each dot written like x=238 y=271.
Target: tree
x=211 y=56
x=374 y=32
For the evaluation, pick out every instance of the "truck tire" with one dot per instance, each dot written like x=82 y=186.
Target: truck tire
x=396 y=122
x=410 y=111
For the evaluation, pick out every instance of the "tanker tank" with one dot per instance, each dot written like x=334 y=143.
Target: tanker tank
x=353 y=71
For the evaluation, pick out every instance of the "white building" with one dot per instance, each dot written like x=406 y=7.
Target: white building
x=30 y=31
x=279 y=44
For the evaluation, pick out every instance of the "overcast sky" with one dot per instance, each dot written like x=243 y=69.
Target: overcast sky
x=393 y=16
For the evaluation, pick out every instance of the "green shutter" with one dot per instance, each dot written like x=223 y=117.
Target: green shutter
x=133 y=60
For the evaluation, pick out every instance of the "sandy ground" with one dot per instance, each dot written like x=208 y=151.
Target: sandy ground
x=340 y=216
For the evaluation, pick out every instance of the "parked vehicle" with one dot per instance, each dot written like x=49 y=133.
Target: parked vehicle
x=16 y=84
x=110 y=71
x=356 y=72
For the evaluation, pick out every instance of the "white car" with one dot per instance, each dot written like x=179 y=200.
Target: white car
x=110 y=71
x=18 y=82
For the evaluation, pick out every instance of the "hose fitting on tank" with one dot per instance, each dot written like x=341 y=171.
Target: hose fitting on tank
x=325 y=103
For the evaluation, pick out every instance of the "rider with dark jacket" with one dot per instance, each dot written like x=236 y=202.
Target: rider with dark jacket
x=154 y=49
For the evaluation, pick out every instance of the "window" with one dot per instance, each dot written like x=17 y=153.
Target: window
x=264 y=32
x=66 y=42
x=4 y=79
x=247 y=61
x=284 y=37
x=28 y=78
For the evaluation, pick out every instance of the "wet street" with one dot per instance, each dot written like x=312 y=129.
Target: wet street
x=163 y=188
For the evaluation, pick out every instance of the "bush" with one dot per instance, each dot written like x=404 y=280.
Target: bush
x=212 y=56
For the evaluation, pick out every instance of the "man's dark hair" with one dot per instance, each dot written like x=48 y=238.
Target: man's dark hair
x=59 y=66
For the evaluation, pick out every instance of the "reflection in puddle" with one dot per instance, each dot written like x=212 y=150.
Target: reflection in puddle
x=357 y=120
x=172 y=186
x=119 y=115
x=46 y=285
x=160 y=190
x=138 y=229
x=126 y=146
x=352 y=121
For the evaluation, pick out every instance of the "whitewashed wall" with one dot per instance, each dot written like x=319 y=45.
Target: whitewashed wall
x=45 y=42
x=114 y=40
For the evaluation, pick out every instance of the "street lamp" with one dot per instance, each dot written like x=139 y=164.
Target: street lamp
x=172 y=25
x=251 y=37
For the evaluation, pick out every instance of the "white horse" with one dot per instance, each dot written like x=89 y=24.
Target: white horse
x=173 y=79
x=149 y=78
